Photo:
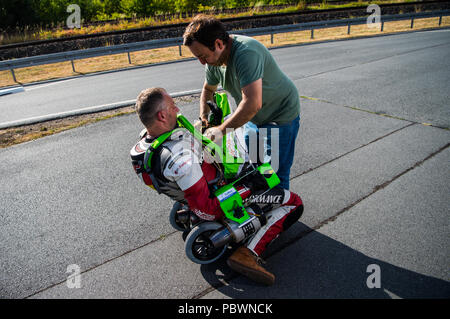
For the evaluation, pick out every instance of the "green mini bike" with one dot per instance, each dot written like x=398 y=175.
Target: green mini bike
x=207 y=241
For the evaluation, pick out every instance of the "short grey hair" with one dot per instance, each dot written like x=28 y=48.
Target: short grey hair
x=149 y=102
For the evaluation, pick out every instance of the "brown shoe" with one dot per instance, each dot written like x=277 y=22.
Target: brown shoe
x=246 y=263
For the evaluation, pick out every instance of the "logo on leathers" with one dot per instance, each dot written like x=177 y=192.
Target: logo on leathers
x=266 y=199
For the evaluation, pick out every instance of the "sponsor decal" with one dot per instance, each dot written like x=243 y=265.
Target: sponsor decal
x=266 y=199
x=248 y=229
x=226 y=194
x=203 y=215
x=243 y=190
x=182 y=165
x=177 y=158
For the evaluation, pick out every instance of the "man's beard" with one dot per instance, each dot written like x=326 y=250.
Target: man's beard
x=222 y=58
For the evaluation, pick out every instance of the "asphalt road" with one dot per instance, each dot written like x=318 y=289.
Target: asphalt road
x=375 y=189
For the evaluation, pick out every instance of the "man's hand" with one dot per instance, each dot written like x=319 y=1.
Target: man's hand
x=214 y=133
x=201 y=124
x=198 y=125
x=249 y=106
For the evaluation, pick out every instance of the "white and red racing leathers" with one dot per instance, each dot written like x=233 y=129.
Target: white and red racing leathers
x=181 y=165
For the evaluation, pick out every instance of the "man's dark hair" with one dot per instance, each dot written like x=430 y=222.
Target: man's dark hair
x=148 y=103
x=205 y=30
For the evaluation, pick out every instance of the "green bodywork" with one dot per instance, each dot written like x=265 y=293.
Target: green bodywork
x=231 y=201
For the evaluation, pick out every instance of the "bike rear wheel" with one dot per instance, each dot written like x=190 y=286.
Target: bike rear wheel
x=199 y=247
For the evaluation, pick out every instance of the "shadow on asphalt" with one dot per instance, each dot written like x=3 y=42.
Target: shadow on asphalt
x=318 y=266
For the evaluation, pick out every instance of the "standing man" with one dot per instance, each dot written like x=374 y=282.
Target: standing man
x=265 y=96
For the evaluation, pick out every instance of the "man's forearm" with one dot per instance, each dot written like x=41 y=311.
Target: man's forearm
x=242 y=115
x=206 y=95
x=249 y=106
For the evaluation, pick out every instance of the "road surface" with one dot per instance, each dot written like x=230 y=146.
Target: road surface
x=375 y=187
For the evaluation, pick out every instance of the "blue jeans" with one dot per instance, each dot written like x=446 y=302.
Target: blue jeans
x=275 y=144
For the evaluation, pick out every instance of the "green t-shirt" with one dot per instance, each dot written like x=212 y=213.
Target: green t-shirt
x=249 y=61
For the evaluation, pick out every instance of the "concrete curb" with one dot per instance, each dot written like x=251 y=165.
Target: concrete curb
x=11 y=90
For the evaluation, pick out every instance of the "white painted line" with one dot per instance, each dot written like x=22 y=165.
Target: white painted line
x=40 y=86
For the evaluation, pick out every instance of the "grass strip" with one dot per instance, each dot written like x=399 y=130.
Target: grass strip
x=22 y=134
x=148 y=57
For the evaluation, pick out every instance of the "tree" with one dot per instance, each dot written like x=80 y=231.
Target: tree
x=112 y=6
x=187 y=5
x=55 y=11
x=17 y=13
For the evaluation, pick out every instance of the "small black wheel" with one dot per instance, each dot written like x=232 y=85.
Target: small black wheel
x=173 y=217
x=199 y=247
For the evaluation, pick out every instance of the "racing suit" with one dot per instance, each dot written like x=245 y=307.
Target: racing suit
x=183 y=172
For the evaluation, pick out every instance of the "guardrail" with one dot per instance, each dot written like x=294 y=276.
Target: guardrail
x=170 y=42
x=387 y=6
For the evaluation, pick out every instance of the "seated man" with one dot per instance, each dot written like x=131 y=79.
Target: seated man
x=181 y=172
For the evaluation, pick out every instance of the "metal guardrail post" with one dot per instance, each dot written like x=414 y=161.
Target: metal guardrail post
x=129 y=57
x=179 y=50
x=271 y=38
x=73 y=66
x=382 y=26
x=14 y=76
x=348 y=28
x=312 y=33
x=440 y=20
x=412 y=23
